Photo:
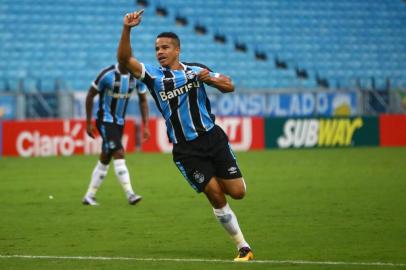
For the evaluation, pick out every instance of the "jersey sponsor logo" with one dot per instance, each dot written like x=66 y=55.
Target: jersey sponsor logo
x=133 y=84
x=318 y=132
x=118 y=95
x=167 y=95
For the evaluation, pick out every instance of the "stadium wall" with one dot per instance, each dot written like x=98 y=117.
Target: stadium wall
x=1 y=138
x=34 y=138
x=392 y=130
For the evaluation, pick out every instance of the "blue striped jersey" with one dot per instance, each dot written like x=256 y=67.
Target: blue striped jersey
x=115 y=90
x=181 y=98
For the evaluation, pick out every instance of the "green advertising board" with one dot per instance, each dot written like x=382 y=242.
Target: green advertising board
x=321 y=132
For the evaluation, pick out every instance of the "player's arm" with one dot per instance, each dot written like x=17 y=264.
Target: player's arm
x=90 y=129
x=124 y=52
x=144 y=115
x=221 y=82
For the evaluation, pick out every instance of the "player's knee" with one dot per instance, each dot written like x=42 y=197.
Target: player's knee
x=118 y=154
x=238 y=190
x=238 y=194
x=218 y=196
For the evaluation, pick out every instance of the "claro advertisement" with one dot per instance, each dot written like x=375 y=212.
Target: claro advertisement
x=55 y=137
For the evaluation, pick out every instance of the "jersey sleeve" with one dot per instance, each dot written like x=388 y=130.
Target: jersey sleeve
x=99 y=84
x=149 y=74
x=101 y=79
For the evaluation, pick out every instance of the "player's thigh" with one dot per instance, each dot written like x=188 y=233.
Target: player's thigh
x=197 y=171
x=225 y=162
x=111 y=136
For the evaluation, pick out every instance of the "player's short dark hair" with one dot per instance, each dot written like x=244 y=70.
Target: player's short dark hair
x=171 y=35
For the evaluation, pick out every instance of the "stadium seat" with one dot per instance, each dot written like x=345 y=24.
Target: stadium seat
x=341 y=40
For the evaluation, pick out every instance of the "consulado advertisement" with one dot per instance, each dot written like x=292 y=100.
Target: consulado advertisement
x=326 y=104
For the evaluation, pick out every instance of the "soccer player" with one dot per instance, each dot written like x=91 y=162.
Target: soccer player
x=201 y=149
x=114 y=85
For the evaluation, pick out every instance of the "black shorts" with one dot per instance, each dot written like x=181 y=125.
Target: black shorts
x=111 y=134
x=207 y=156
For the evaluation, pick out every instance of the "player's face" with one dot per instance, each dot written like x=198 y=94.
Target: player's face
x=167 y=52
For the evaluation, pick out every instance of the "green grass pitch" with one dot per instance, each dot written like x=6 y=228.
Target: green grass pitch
x=318 y=206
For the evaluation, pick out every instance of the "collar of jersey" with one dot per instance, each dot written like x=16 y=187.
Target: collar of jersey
x=183 y=66
x=118 y=71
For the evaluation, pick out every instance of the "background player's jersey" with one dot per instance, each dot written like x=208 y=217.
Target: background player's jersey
x=181 y=99
x=115 y=89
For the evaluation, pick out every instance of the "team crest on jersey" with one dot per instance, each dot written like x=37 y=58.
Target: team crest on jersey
x=190 y=74
x=112 y=145
x=198 y=176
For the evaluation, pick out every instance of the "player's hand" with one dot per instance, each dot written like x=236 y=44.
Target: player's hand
x=204 y=76
x=146 y=134
x=90 y=130
x=133 y=19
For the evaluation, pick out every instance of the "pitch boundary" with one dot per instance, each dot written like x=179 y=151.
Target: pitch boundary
x=101 y=258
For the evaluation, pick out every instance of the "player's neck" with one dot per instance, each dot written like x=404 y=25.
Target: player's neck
x=175 y=66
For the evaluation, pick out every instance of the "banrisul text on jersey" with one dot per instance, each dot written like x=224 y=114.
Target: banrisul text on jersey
x=178 y=91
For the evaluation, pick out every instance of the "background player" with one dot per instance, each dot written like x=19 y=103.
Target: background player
x=201 y=150
x=114 y=85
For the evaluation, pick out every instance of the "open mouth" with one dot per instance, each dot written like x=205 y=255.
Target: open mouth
x=161 y=58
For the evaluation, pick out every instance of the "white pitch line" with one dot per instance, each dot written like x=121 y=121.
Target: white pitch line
x=97 y=258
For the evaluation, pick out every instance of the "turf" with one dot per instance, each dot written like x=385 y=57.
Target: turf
x=337 y=205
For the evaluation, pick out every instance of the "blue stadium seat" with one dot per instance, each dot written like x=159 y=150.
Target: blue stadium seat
x=341 y=40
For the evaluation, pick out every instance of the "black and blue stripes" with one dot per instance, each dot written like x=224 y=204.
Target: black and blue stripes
x=115 y=90
x=182 y=100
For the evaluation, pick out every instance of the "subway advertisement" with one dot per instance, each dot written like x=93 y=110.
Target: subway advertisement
x=321 y=132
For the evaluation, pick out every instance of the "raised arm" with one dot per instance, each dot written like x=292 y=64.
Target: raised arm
x=124 y=52
x=222 y=83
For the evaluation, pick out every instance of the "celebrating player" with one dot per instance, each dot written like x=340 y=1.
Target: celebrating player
x=201 y=149
x=114 y=85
